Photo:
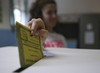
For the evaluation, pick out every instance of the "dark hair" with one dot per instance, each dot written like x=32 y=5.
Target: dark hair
x=36 y=8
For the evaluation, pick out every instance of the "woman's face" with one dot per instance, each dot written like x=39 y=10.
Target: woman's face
x=49 y=13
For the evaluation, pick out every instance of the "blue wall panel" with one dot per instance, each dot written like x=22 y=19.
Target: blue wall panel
x=7 y=38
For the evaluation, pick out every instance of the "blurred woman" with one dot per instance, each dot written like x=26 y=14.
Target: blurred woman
x=47 y=11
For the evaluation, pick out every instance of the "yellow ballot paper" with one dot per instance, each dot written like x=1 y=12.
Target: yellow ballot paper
x=30 y=46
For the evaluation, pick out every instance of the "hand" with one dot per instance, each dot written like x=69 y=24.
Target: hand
x=37 y=27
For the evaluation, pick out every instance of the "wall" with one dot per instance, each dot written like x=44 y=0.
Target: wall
x=78 y=6
x=5 y=15
x=7 y=36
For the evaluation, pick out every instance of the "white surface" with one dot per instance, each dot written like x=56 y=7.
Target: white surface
x=59 y=60
x=9 y=59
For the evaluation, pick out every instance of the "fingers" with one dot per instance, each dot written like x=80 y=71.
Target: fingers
x=35 y=25
x=38 y=28
x=43 y=33
x=40 y=23
x=30 y=23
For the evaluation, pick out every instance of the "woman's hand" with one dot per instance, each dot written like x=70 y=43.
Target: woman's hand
x=37 y=27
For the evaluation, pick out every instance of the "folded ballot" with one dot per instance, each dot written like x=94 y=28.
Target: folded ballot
x=29 y=46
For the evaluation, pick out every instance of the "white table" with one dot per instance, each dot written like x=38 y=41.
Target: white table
x=59 y=60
